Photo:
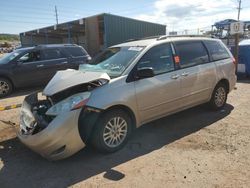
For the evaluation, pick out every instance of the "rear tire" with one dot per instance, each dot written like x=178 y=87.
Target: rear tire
x=6 y=87
x=112 y=131
x=219 y=97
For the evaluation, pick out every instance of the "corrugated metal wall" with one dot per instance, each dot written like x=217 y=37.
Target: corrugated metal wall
x=119 y=29
x=101 y=31
x=29 y=40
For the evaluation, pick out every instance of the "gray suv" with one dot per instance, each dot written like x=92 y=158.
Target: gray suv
x=35 y=66
x=122 y=88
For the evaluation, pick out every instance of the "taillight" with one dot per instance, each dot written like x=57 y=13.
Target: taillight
x=234 y=61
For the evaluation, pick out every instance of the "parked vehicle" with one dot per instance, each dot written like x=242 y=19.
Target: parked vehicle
x=35 y=66
x=124 y=87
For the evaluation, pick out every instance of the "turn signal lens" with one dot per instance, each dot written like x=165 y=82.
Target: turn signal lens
x=80 y=104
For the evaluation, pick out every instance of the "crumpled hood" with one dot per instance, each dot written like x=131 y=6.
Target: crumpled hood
x=69 y=78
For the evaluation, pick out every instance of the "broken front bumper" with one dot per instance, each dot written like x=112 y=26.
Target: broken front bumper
x=60 y=139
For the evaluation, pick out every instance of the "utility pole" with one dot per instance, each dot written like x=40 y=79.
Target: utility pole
x=237 y=36
x=239 y=9
x=56 y=15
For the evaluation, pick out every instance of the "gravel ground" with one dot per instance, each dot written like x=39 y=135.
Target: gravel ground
x=194 y=148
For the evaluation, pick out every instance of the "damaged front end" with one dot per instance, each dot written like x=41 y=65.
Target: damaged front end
x=33 y=117
x=50 y=126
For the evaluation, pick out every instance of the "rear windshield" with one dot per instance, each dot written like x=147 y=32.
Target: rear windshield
x=216 y=50
x=76 y=51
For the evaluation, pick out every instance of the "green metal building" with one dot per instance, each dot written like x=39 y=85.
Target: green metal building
x=93 y=33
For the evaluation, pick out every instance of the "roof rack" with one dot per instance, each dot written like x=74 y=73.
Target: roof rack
x=153 y=37
x=162 y=37
x=131 y=40
x=53 y=45
x=144 y=38
x=175 y=36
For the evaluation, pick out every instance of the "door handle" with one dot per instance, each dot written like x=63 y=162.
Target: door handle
x=65 y=62
x=185 y=74
x=176 y=76
x=39 y=66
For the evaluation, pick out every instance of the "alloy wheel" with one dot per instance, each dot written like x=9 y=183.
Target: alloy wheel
x=4 y=87
x=220 y=96
x=115 y=132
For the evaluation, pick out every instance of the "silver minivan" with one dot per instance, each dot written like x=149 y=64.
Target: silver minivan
x=122 y=88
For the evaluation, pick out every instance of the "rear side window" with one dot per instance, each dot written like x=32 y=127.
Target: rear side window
x=216 y=50
x=76 y=51
x=191 y=53
x=160 y=58
x=52 y=54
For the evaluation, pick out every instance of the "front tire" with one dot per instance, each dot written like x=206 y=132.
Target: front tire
x=112 y=131
x=5 y=87
x=219 y=97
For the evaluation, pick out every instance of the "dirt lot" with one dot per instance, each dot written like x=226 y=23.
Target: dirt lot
x=194 y=148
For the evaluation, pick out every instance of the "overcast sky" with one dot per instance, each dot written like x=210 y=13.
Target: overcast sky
x=22 y=15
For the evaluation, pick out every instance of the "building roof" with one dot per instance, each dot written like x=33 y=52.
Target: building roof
x=74 y=25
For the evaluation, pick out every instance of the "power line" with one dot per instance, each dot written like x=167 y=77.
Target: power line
x=42 y=17
x=6 y=20
x=66 y=8
x=26 y=17
x=38 y=10
x=69 y=10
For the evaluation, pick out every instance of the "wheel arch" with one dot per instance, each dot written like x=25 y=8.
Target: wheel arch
x=225 y=82
x=125 y=109
x=87 y=121
x=8 y=78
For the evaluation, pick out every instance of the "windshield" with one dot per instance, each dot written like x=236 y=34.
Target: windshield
x=113 y=61
x=8 y=57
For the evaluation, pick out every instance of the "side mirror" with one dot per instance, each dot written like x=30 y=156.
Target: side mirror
x=146 y=72
x=19 y=62
x=88 y=59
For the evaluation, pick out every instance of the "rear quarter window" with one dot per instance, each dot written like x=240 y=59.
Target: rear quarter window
x=191 y=53
x=216 y=50
x=49 y=54
x=76 y=51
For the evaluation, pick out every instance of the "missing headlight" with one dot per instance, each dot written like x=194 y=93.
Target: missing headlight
x=33 y=118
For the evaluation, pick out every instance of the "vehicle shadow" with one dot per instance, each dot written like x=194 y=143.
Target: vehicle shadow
x=243 y=79
x=23 y=168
